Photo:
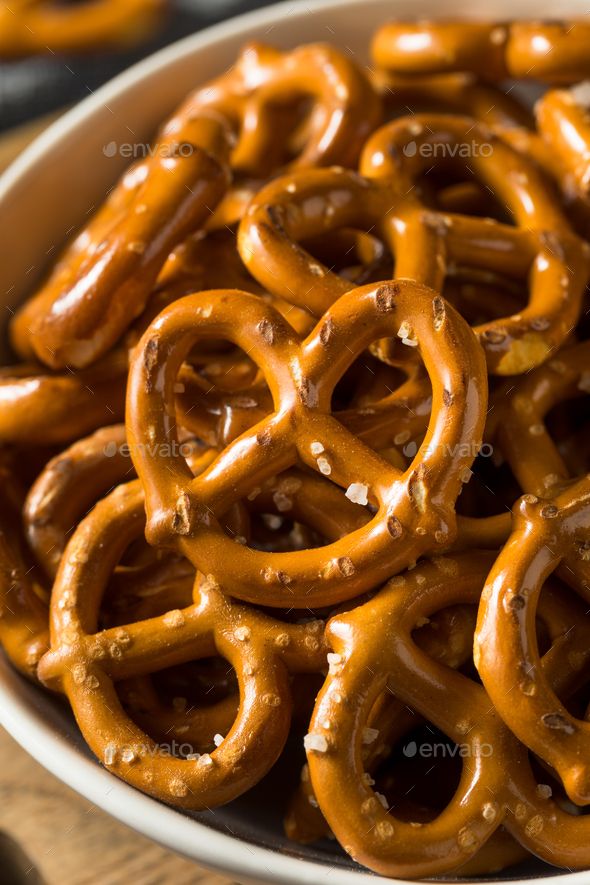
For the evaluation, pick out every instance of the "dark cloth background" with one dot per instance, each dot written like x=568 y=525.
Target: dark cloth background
x=33 y=86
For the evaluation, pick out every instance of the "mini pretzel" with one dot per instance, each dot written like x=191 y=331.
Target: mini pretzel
x=88 y=301
x=414 y=510
x=546 y=533
x=23 y=612
x=260 y=92
x=37 y=26
x=85 y=664
x=43 y=408
x=92 y=297
x=423 y=241
x=68 y=487
x=554 y=52
x=447 y=637
x=519 y=419
x=373 y=648
x=564 y=122
x=65 y=490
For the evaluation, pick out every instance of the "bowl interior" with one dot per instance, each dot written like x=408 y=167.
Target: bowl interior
x=44 y=197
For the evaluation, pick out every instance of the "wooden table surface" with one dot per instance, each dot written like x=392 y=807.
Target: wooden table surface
x=72 y=842
x=69 y=840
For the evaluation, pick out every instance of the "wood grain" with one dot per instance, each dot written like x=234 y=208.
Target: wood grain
x=72 y=842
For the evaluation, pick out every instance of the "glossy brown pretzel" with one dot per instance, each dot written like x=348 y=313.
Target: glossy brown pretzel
x=38 y=26
x=104 y=279
x=85 y=664
x=551 y=51
x=414 y=510
x=425 y=242
x=373 y=648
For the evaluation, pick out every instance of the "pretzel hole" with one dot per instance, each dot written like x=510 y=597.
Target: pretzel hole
x=490 y=487
x=568 y=428
x=295 y=114
x=299 y=510
x=451 y=187
x=418 y=778
x=278 y=533
x=365 y=382
x=162 y=584
x=292 y=115
x=222 y=366
x=354 y=254
x=549 y=786
x=180 y=707
x=482 y=295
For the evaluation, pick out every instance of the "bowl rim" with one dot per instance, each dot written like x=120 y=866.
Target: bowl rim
x=25 y=722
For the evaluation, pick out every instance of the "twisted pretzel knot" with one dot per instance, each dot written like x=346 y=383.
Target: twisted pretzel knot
x=554 y=52
x=89 y=469
x=85 y=664
x=414 y=510
x=36 y=26
x=373 y=649
x=427 y=243
x=105 y=278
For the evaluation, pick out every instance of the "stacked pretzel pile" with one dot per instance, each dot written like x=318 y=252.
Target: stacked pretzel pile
x=349 y=509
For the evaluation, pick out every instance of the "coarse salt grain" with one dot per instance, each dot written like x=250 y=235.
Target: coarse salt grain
x=316 y=742
x=357 y=492
x=370 y=735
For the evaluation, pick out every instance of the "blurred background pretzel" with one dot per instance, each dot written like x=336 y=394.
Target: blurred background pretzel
x=564 y=122
x=551 y=51
x=38 y=406
x=32 y=26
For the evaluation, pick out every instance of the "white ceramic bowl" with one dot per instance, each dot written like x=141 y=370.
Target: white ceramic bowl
x=46 y=194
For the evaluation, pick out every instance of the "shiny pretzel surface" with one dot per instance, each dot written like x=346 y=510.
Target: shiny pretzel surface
x=28 y=27
x=293 y=449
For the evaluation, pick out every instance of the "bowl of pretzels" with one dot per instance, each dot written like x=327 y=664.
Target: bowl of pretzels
x=295 y=513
